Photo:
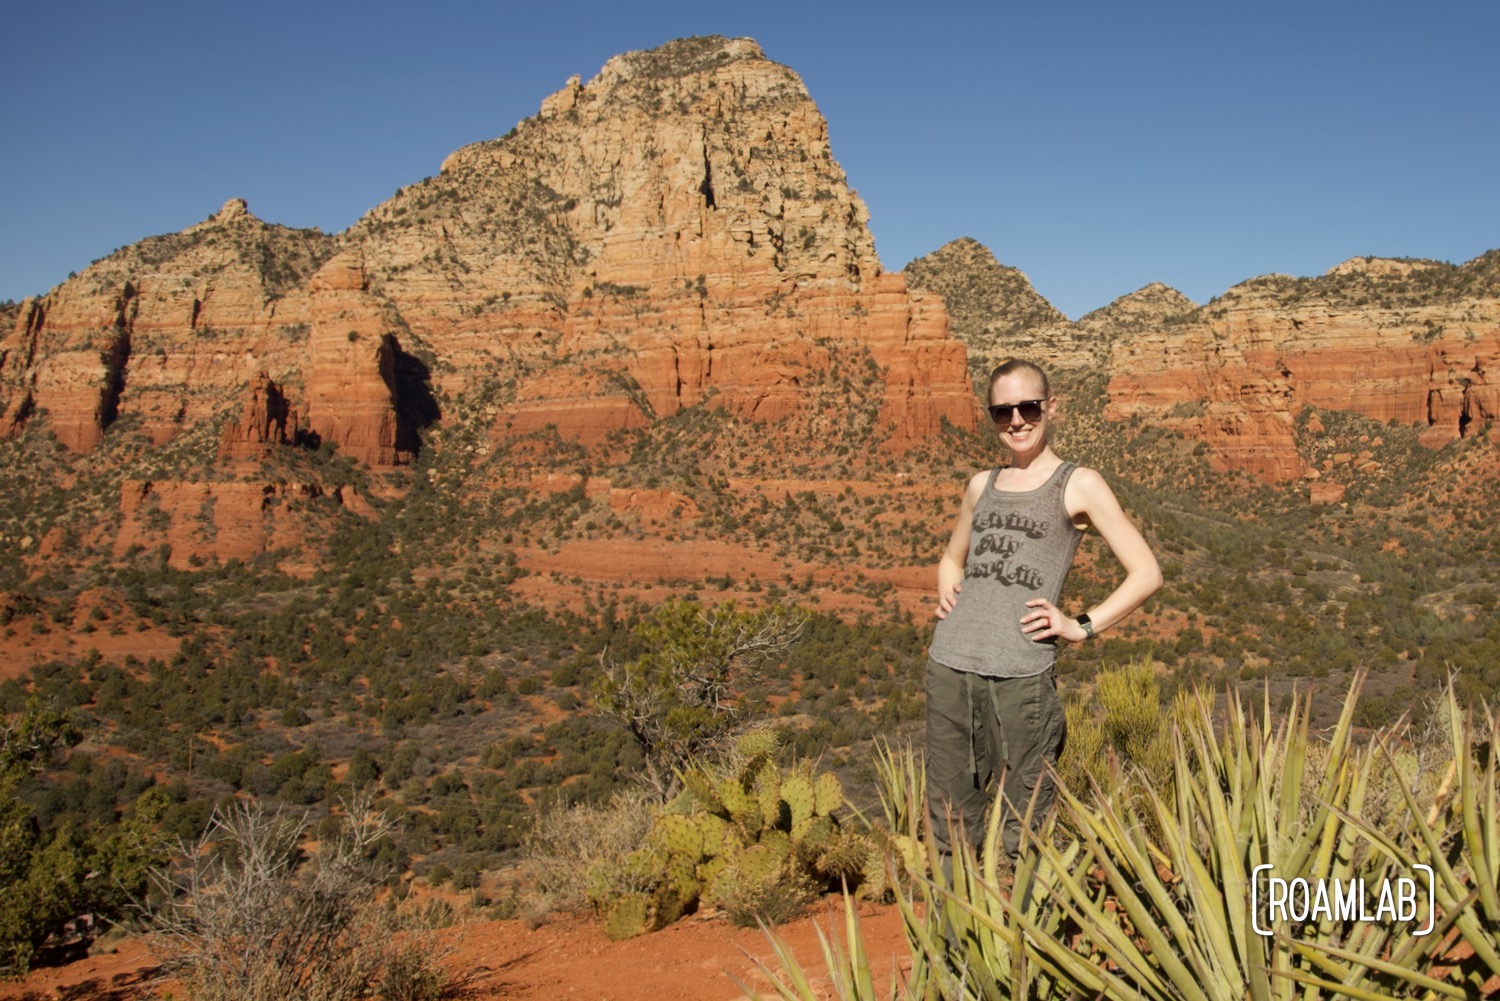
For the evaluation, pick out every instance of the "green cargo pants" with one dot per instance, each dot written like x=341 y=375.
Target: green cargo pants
x=983 y=732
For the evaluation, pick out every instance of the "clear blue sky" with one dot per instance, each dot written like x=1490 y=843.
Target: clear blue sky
x=1097 y=146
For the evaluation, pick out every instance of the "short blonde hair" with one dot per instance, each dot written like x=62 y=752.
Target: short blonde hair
x=1013 y=365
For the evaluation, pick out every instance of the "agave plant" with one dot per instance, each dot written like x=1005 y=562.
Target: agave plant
x=848 y=966
x=1456 y=841
x=1170 y=905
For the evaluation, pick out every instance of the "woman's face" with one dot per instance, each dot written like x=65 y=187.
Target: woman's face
x=1018 y=434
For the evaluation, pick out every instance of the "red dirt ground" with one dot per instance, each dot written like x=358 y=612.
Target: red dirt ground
x=696 y=959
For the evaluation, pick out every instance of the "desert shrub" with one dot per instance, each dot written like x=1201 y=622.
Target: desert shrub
x=569 y=843
x=750 y=895
x=1123 y=725
x=409 y=975
x=243 y=916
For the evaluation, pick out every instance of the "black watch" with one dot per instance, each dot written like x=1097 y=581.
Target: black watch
x=1087 y=624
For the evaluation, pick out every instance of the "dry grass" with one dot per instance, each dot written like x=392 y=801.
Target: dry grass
x=569 y=843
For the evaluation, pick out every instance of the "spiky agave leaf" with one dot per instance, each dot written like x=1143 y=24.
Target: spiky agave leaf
x=1458 y=839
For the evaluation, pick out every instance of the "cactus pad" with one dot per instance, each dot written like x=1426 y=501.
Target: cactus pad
x=679 y=835
x=828 y=794
x=797 y=793
x=628 y=917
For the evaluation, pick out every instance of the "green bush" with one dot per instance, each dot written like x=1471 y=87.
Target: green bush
x=48 y=878
x=677 y=698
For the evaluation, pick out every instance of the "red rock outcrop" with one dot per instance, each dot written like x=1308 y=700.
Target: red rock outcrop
x=266 y=420
x=1415 y=342
x=166 y=332
x=673 y=230
x=228 y=520
x=351 y=375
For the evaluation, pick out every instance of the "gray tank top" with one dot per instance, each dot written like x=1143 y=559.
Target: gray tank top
x=1021 y=545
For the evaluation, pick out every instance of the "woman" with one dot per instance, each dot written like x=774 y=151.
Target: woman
x=992 y=709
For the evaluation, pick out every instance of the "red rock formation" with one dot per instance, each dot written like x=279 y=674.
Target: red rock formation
x=167 y=331
x=75 y=371
x=1415 y=342
x=266 y=420
x=675 y=229
x=227 y=520
x=673 y=233
x=351 y=379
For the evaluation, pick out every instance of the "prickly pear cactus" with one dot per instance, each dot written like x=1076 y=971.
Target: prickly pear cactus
x=678 y=835
x=813 y=833
x=756 y=743
x=718 y=836
x=628 y=916
x=828 y=794
x=797 y=794
x=768 y=793
x=738 y=836
x=842 y=857
x=744 y=809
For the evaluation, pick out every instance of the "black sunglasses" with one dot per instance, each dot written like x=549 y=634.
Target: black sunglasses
x=1031 y=411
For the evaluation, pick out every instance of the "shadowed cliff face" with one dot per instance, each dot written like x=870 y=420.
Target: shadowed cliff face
x=673 y=230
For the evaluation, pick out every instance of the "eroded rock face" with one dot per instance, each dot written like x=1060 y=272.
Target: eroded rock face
x=167 y=332
x=1414 y=342
x=351 y=374
x=675 y=228
x=263 y=423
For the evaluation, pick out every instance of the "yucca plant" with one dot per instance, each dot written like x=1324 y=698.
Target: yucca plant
x=968 y=935
x=1168 y=903
x=848 y=966
x=1147 y=890
x=1457 y=840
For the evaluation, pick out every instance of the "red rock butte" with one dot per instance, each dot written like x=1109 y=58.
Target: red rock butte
x=674 y=230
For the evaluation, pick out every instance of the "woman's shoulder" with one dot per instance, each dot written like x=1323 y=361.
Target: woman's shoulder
x=1083 y=475
x=974 y=489
x=1086 y=485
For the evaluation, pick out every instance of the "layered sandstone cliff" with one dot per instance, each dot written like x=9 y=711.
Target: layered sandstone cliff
x=673 y=230
x=163 y=330
x=1416 y=342
x=672 y=233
